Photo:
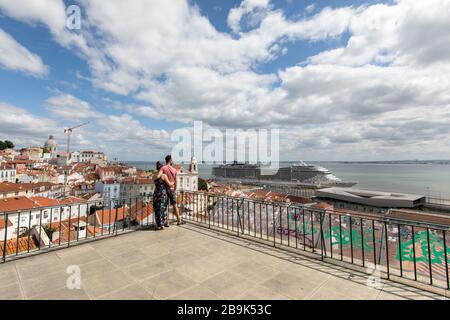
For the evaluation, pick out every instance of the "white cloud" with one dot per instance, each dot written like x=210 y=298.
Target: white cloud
x=24 y=128
x=69 y=107
x=253 y=8
x=16 y=57
x=409 y=32
x=51 y=13
x=387 y=87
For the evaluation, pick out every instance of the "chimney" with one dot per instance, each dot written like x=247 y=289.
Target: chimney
x=79 y=230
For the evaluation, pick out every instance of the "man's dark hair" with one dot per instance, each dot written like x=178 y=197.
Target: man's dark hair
x=168 y=158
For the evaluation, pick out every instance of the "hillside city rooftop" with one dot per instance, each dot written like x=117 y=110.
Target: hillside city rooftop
x=242 y=240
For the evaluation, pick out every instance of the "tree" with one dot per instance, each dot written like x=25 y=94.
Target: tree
x=9 y=144
x=202 y=185
x=49 y=230
x=6 y=145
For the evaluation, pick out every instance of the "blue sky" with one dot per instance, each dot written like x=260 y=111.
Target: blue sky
x=342 y=80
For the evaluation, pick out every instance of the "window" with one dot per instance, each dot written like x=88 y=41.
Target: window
x=45 y=214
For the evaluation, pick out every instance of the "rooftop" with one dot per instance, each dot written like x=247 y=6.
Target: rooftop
x=188 y=262
x=374 y=198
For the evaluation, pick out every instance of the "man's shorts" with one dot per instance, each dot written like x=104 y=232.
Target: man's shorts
x=172 y=197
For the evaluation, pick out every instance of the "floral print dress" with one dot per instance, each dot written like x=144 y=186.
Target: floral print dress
x=160 y=202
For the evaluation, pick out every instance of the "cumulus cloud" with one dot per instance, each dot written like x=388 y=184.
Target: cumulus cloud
x=387 y=86
x=51 y=13
x=22 y=127
x=14 y=56
x=247 y=7
x=407 y=33
x=69 y=107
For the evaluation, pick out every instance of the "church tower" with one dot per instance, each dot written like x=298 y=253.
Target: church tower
x=51 y=145
x=193 y=165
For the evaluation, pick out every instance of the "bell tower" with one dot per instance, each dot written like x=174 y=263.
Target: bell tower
x=193 y=165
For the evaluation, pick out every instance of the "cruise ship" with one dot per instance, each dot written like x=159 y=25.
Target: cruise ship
x=299 y=174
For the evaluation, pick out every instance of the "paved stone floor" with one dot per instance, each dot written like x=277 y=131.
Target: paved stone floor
x=187 y=263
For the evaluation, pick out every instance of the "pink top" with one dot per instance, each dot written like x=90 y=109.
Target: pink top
x=171 y=174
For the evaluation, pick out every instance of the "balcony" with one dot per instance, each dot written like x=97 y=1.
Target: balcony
x=230 y=249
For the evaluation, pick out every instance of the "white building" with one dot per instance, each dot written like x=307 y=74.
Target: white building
x=129 y=191
x=7 y=173
x=187 y=180
x=146 y=187
x=87 y=156
x=110 y=190
x=24 y=213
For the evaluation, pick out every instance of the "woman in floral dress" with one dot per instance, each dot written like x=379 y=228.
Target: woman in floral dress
x=160 y=197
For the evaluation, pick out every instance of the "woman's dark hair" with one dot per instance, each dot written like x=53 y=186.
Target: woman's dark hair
x=158 y=165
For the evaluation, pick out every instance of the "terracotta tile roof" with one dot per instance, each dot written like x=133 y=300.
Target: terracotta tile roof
x=2 y=223
x=11 y=187
x=301 y=200
x=140 y=212
x=107 y=216
x=15 y=204
x=15 y=187
x=322 y=205
x=22 y=245
x=45 y=202
x=145 y=181
x=25 y=203
x=63 y=228
x=71 y=200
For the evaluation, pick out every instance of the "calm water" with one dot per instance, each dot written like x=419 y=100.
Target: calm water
x=426 y=179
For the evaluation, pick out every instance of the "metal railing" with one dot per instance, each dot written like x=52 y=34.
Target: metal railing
x=394 y=248
x=405 y=249
x=27 y=232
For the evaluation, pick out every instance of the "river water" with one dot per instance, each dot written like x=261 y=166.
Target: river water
x=425 y=179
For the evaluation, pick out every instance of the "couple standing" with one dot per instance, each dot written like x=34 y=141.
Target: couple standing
x=165 y=193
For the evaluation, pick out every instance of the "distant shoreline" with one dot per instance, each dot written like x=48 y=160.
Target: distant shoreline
x=424 y=162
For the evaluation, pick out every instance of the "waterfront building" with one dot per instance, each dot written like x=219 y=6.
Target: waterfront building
x=368 y=200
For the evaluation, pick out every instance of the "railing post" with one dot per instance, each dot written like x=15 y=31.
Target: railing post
x=70 y=217
x=29 y=232
x=430 y=266
x=322 y=237
x=238 y=217
x=400 y=249
x=446 y=259
x=6 y=237
x=273 y=222
x=387 y=249
x=18 y=230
